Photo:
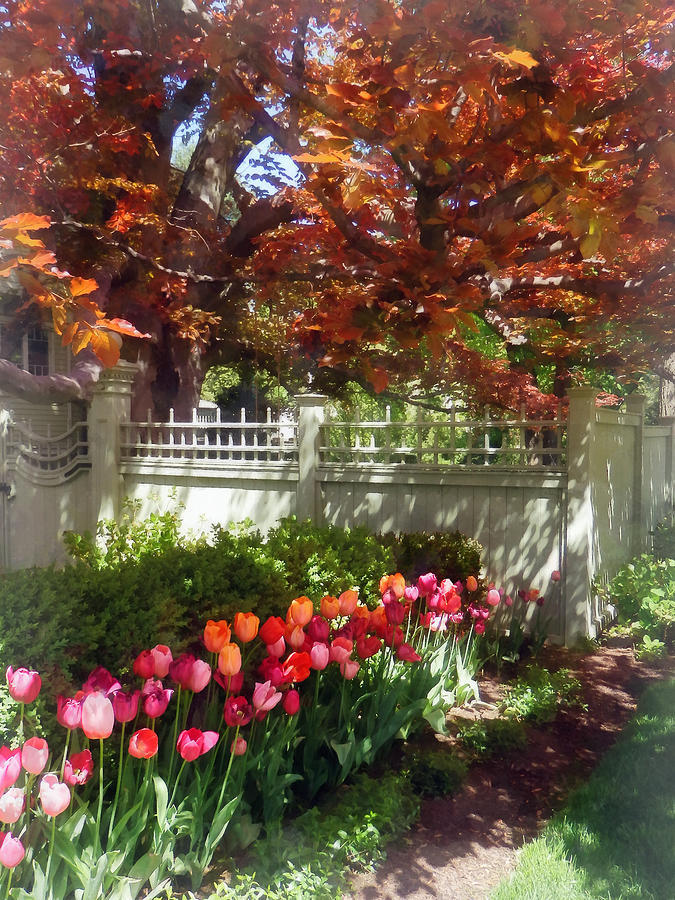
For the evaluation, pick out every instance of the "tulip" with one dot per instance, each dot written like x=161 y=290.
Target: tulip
x=125 y=706
x=493 y=597
x=143 y=744
x=69 y=712
x=410 y=594
x=24 y=684
x=246 y=626
x=555 y=575
x=300 y=611
x=237 y=712
x=341 y=649
x=330 y=607
x=296 y=637
x=12 y=803
x=144 y=664
x=291 y=702
x=229 y=659
x=508 y=600
x=10 y=766
x=277 y=649
x=238 y=747
x=98 y=716
x=265 y=696
x=216 y=634
x=272 y=670
x=318 y=629
x=479 y=627
x=319 y=656
x=407 y=654
x=163 y=658
x=368 y=646
x=34 y=755
x=193 y=743
x=393 y=636
x=426 y=584
x=102 y=681
x=11 y=850
x=348 y=602
x=230 y=683
x=296 y=667
x=272 y=629
x=396 y=583
x=181 y=668
x=349 y=668
x=395 y=612
x=156 y=699
x=378 y=619
x=471 y=584
x=361 y=613
x=79 y=768
x=450 y=601
x=54 y=795
x=199 y=676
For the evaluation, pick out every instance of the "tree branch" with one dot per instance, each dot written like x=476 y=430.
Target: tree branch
x=78 y=385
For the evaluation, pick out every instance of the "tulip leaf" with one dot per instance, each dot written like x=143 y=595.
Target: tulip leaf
x=162 y=798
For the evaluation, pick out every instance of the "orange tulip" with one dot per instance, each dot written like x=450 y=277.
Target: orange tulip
x=330 y=607
x=296 y=637
x=300 y=611
x=246 y=626
x=229 y=659
x=362 y=612
x=348 y=601
x=395 y=583
x=471 y=584
x=216 y=634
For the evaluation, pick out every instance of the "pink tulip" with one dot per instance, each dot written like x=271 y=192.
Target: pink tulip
x=11 y=850
x=291 y=702
x=555 y=575
x=69 y=712
x=493 y=597
x=349 y=668
x=272 y=670
x=320 y=656
x=199 y=676
x=155 y=698
x=24 y=684
x=238 y=747
x=265 y=696
x=102 y=681
x=426 y=584
x=277 y=649
x=12 y=803
x=10 y=766
x=34 y=755
x=341 y=650
x=98 y=716
x=410 y=594
x=193 y=743
x=79 y=768
x=125 y=706
x=54 y=795
x=479 y=627
x=163 y=658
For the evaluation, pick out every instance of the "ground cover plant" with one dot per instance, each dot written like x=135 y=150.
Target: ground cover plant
x=150 y=777
x=616 y=835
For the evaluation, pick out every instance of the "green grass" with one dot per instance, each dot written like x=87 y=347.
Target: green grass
x=616 y=838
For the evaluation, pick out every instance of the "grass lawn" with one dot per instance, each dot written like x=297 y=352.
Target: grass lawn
x=615 y=840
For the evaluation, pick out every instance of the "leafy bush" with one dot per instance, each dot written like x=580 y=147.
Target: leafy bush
x=434 y=773
x=452 y=555
x=539 y=694
x=493 y=737
x=644 y=593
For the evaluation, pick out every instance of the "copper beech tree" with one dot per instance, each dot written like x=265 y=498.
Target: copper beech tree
x=413 y=195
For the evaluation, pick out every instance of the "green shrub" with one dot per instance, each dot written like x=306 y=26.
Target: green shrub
x=643 y=592
x=434 y=773
x=493 y=737
x=450 y=555
x=539 y=694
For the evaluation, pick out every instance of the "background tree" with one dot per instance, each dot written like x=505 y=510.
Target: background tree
x=480 y=193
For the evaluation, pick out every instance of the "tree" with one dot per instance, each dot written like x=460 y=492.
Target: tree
x=480 y=193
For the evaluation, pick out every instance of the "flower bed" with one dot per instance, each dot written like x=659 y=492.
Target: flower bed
x=258 y=716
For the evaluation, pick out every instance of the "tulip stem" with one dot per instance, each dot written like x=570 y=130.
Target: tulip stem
x=9 y=882
x=100 y=795
x=65 y=754
x=175 y=733
x=120 y=768
x=51 y=850
x=173 y=792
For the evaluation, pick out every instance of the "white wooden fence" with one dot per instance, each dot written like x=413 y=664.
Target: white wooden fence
x=578 y=495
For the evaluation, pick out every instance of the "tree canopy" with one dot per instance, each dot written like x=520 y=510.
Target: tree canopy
x=413 y=195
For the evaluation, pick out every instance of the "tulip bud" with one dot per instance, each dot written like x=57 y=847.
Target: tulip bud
x=291 y=702
x=11 y=850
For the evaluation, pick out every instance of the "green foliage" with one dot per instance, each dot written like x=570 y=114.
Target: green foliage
x=539 y=694
x=644 y=593
x=650 y=649
x=310 y=859
x=450 y=555
x=615 y=838
x=493 y=737
x=664 y=539
x=434 y=773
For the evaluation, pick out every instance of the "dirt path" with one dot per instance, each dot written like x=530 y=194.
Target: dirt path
x=463 y=846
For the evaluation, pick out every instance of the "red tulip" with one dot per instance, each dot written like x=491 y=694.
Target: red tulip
x=98 y=716
x=125 y=706
x=368 y=646
x=193 y=743
x=407 y=654
x=11 y=850
x=24 y=684
x=12 y=805
x=230 y=683
x=143 y=744
x=272 y=630
x=296 y=667
x=10 y=766
x=237 y=711
x=144 y=664
x=34 y=755
x=79 y=768
x=479 y=627
x=69 y=712
x=272 y=670
x=291 y=702
x=238 y=747
x=181 y=668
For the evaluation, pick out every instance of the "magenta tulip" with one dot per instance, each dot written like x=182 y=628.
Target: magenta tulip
x=101 y=681
x=12 y=803
x=237 y=712
x=291 y=702
x=11 y=850
x=125 y=706
x=98 y=716
x=54 y=795
x=24 y=684
x=193 y=743
x=34 y=755
x=155 y=698
x=230 y=683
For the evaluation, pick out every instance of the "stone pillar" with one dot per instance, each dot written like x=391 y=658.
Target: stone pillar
x=635 y=404
x=110 y=405
x=580 y=562
x=310 y=420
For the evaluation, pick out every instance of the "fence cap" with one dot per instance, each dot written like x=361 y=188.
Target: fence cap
x=311 y=399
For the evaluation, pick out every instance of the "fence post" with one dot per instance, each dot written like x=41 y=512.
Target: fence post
x=580 y=556
x=635 y=404
x=669 y=421
x=310 y=420
x=110 y=405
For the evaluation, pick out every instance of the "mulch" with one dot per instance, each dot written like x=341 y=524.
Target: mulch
x=463 y=846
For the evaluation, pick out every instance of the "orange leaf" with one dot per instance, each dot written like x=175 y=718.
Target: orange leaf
x=25 y=222
x=121 y=326
x=106 y=346
x=80 y=286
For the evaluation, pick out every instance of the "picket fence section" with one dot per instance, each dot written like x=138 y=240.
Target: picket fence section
x=576 y=494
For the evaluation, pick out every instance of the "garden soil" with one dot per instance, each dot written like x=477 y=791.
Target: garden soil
x=464 y=845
